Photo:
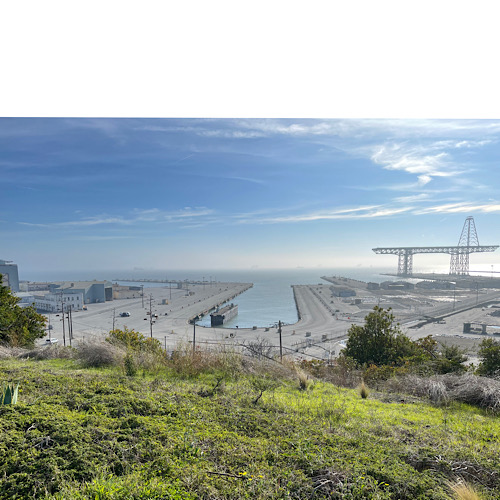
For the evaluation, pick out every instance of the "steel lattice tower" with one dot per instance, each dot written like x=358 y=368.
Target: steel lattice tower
x=459 y=262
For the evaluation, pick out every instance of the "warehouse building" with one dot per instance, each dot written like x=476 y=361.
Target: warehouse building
x=93 y=291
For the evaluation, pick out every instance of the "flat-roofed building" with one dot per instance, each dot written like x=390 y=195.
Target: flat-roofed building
x=10 y=275
x=93 y=291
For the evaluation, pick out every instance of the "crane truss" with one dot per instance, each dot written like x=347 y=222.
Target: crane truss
x=459 y=264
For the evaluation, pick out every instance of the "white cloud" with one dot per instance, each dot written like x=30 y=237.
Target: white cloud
x=451 y=208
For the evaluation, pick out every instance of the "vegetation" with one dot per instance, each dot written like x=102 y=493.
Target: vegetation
x=489 y=352
x=220 y=425
x=18 y=326
x=384 y=351
x=379 y=341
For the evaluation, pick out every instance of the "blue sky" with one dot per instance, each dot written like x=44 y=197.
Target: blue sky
x=242 y=193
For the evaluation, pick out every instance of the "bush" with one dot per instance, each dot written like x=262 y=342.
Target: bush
x=132 y=340
x=19 y=326
x=130 y=365
x=379 y=341
x=98 y=354
x=489 y=352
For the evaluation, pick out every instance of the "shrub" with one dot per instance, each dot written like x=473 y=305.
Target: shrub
x=130 y=339
x=379 y=341
x=19 y=326
x=130 y=365
x=489 y=352
x=98 y=354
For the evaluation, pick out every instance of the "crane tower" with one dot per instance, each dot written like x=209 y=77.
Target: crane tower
x=459 y=262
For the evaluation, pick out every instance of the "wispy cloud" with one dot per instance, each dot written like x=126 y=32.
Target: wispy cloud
x=460 y=207
x=416 y=160
x=363 y=212
x=138 y=216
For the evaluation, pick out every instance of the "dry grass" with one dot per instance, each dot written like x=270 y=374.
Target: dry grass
x=11 y=352
x=483 y=392
x=190 y=364
x=49 y=352
x=363 y=390
x=97 y=354
x=464 y=491
x=304 y=380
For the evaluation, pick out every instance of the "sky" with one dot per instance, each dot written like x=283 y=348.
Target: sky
x=236 y=193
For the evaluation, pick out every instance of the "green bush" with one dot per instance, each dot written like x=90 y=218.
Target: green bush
x=489 y=353
x=130 y=339
x=19 y=326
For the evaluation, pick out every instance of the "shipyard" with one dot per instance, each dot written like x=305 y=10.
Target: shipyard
x=459 y=308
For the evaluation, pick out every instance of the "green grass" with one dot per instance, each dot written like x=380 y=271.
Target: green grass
x=99 y=434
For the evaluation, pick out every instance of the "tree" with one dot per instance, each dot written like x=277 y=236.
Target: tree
x=489 y=352
x=379 y=341
x=19 y=327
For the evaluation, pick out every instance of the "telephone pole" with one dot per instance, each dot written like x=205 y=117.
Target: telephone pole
x=150 y=315
x=70 y=324
x=281 y=345
x=194 y=336
x=62 y=313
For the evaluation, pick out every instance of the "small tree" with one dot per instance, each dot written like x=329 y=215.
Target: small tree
x=489 y=352
x=19 y=326
x=379 y=341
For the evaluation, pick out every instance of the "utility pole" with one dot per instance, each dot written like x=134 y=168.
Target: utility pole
x=64 y=331
x=70 y=325
x=114 y=318
x=142 y=290
x=281 y=345
x=170 y=290
x=151 y=315
x=194 y=336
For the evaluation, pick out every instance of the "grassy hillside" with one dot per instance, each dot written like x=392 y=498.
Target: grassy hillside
x=176 y=433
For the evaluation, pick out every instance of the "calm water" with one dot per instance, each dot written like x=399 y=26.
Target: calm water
x=270 y=299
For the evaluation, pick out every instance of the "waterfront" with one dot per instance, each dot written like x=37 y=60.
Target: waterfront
x=269 y=301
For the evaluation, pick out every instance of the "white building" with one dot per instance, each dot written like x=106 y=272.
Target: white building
x=52 y=302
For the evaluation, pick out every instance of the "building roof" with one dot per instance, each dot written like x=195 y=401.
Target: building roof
x=80 y=284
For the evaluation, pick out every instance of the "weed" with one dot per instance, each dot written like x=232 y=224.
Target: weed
x=363 y=390
x=464 y=491
x=304 y=382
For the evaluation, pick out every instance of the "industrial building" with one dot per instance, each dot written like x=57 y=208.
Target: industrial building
x=51 y=302
x=342 y=291
x=93 y=291
x=10 y=275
